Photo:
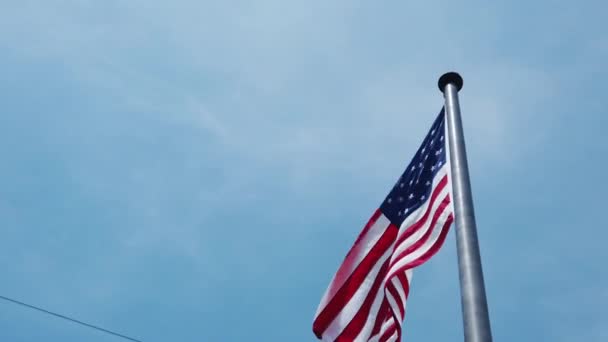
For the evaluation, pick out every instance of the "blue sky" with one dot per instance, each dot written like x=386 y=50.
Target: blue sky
x=196 y=171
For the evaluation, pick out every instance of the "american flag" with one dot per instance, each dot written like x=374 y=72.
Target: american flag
x=366 y=299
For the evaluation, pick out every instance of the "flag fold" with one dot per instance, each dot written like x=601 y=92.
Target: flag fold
x=366 y=299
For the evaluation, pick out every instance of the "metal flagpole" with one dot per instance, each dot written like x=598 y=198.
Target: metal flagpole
x=476 y=320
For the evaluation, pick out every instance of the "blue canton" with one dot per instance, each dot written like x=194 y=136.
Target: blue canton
x=414 y=186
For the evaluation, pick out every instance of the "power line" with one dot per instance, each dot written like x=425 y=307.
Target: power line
x=70 y=319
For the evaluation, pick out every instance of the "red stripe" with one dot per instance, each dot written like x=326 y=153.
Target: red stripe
x=351 y=276
x=354 y=281
x=368 y=225
x=349 y=263
x=352 y=330
x=382 y=315
x=389 y=332
x=444 y=203
x=416 y=225
x=398 y=322
x=426 y=256
x=405 y=286
x=405 y=283
x=423 y=258
x=393 y=290
x=436 y=246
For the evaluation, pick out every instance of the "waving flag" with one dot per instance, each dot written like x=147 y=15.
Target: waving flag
x=366 y=300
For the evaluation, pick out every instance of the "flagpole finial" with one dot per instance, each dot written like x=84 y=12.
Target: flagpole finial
x=450 y=77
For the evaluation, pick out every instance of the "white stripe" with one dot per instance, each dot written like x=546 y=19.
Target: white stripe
x=374 y=338
x=415 y=216
x=393 y=337
x=422 y=230
x=393 y=303
x=419 y=213
x=424 y=247
x=368 y=327
x=350 y=310
x=371 y=319
x=408 y=275
x=385 y=326
x=400 y=291
x=367 y=242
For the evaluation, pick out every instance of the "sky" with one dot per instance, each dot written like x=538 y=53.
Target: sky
x=197 y=171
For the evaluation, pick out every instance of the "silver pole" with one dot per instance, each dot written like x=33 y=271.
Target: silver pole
x=476 y=320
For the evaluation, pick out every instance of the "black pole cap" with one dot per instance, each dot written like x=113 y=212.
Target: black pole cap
x=450 y=77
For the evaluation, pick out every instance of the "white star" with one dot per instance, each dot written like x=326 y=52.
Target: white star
x=400 y=199
x=441 y=138
x=432 y=142
x=413 y=167
x=399 y=213
x=401 y=185
x=423 y=149
x=428 y=183
x=411 y=196
x=389 y=200
x=419 y=164
x=426 y=157
x=439 y=163
x=432 y=132
x=406 y=210
x=411 y=182
x=423 y=197
x=433 y=168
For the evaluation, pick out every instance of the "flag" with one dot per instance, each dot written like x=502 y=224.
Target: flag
x=366 y=299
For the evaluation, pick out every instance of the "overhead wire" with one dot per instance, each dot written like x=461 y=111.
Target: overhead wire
x=73 y=320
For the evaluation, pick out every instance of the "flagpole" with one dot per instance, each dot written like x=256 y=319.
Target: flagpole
x=476 y=320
